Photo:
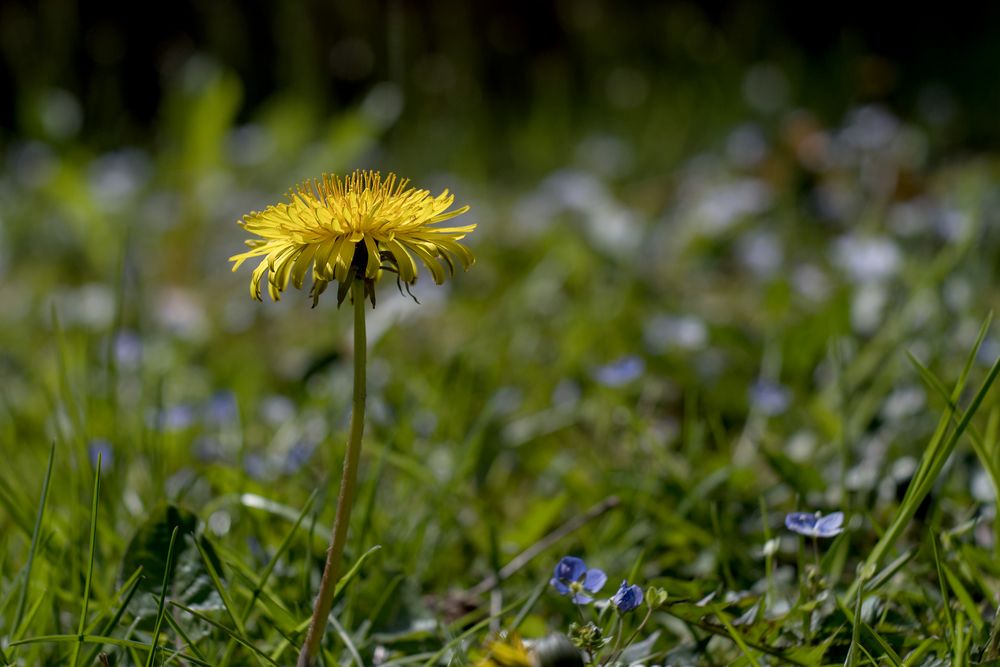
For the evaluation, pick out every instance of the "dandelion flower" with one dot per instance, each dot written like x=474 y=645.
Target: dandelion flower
x=506 y=650
x=353 y=228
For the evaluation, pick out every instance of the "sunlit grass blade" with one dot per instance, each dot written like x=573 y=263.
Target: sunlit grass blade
x=886 y=573
x=736 y=637
x=350 y=574
x=29 y=617
x=853 y=649
x=930 y=467
x=188 y=642
x=129 y=587
x=98 y=639
x=227 y=603
x=161 y=602
x=261 y=583
x=956 y=393
x=979 y=444
x=530 y=604
x=942 y=587
x=964 y=598
x=36 y=531
x=90 y=560
x=861 y=627
x=348 y=642
x=916 y=656
x=282 y=549
x=225 y=630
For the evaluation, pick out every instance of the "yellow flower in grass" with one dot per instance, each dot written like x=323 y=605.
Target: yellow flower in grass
x=353 y=228
x=506 y=650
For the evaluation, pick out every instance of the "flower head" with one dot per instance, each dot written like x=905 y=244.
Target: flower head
x=506 y=650
x=573 y=578
x=352 y=228
x=627 y=598
x=815 y=525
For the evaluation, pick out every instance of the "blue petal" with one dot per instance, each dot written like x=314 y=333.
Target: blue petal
x=627 y=598
x=570 y=568
x=830 y=525
x=803 y=523
x=582 y=598
x=594 y=580
x=559 y=586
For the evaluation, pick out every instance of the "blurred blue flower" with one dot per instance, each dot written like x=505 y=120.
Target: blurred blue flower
x=128 y=349
x=99 y=447
x=620 y=372
x=627 y=598
x=298 y=456
x=222 y=408
x=769 y=397
x=815 y=525
x=172 y=418
x=573 y=578
x=255 y=465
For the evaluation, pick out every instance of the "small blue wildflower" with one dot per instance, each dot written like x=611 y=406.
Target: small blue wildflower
x=256 y=466
x=298 y=456
x=573 y=578
x=769 y=397
x=173 y=418
x=128 y=349
x=100 y=448
x=815 y=525
x=621 y=371
x=222 y=409
x=627 y=598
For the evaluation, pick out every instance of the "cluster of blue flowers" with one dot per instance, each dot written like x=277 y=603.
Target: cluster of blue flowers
x=572 y=577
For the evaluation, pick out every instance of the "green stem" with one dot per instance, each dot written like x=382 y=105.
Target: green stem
x=348 y=484
x=628 y=642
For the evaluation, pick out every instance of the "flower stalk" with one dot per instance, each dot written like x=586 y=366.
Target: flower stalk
x=348 y=488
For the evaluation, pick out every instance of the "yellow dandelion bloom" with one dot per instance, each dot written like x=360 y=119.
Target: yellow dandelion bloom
x=352 y=229
x=507 y=650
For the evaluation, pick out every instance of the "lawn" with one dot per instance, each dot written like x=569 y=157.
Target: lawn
x=696 y=307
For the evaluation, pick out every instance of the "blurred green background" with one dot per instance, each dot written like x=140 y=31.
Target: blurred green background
x=708 y=234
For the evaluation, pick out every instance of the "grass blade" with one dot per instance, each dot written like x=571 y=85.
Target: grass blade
x=943 y=586
x=160 y=604
x=220 y=589
x=98 y=639
x=230 y=633
x=130 y=587
x=23 y=596
x=90 y=561
x=930 y=467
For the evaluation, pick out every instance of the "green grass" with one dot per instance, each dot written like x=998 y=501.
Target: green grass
x=493 y=448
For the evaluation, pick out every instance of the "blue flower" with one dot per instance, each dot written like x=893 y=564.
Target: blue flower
x=100 y=448
x=815 y=525
x=769 y=397
x=620 y=372
x=627 y=598
x=573 y=578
